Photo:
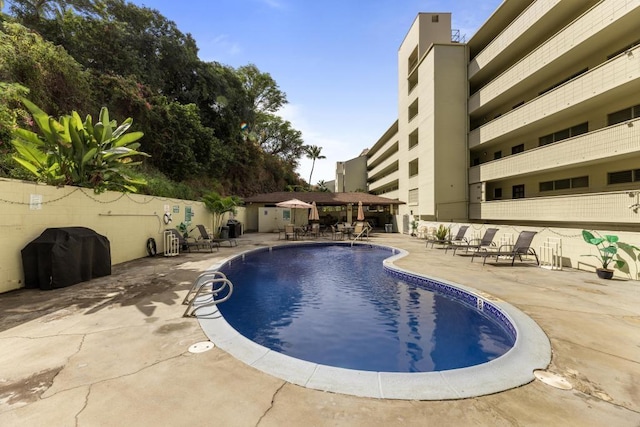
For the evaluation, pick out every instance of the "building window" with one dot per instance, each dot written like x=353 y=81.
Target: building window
x=413 y=109
x=622 y=177
x=497 y=193
x=413 y=81
x=475 y=161
x=623 y=115
x=580 y=182
x=435 y=18
x=564 y=134
x=563 y=184
x=517 y=149
x=517 y=191
x=413 y=168
x=497 y=155
x=413 y=59
x=413 y=196
x=413 y=139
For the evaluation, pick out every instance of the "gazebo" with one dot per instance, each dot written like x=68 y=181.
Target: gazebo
x=264 y=215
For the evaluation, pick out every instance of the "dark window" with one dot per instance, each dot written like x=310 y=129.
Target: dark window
x=475 y=161
x=546 y=186
x=517 y=191
x=517 y=105
x=547 y=139
x=636 y=175
x=562 y=184
x=497 y=193
x=619 y=177
x=564 y=134
x=497 y=155
x=435 y=18
x=580 y=182
x=623 y=115
x=517 y=149
x=580 y=129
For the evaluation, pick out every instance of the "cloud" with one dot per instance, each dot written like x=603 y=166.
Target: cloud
x=220 y=48
x=275 y=4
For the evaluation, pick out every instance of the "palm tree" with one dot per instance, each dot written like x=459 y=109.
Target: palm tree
x=313 y=153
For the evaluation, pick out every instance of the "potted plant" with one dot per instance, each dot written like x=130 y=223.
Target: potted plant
x=441 y=233
x=414 y=227
x=607 y=247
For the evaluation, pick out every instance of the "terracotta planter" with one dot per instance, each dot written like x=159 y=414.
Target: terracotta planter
x=604 y=273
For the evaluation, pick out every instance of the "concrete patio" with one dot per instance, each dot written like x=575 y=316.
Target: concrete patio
x=114 y=351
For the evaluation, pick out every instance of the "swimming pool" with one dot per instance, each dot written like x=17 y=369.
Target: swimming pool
x=530 y=351
x=335 y=305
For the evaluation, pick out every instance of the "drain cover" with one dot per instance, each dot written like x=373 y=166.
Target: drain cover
x=201 y=347
x=554 y=380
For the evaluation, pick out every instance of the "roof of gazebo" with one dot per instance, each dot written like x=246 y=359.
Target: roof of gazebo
x=322 y=198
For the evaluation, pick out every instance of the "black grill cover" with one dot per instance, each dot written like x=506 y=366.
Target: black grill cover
x=65 y=256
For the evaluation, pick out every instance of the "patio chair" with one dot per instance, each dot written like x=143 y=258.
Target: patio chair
x=521 y=247
x=216 y=241
x=336 y=234
x=485 y=242
x=184 y=242
x=459 y=238
x=205 y=239
x=290 y=232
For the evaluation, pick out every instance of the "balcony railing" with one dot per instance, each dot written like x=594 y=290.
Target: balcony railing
x=587 y=26
x=575 y=208
x=619 y=71
x=601 y=144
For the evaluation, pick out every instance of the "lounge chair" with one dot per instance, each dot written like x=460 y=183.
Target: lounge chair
x=521 y=247
x=204 y=234
x=205 y=240
x=184 y=242
x=484 y=243
x=459 y=238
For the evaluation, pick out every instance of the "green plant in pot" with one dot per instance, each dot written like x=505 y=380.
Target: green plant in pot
x=607 y=247
x=442 y=232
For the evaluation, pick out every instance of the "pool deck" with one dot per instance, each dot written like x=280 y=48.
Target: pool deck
x=114 y=351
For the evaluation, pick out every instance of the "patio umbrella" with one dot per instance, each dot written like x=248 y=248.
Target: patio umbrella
x=313 y=214
x=360 y=212
x=294 y=204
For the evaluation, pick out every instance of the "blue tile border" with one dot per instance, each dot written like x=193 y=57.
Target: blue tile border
x=474 y=301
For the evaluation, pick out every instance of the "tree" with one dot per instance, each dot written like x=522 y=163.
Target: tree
x=218 y=206
x=262 y=89
x=277 y=137
x=313 y=153
x=71 y=152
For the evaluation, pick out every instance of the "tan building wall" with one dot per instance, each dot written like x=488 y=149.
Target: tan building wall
x=127 y=220
x=555 y=246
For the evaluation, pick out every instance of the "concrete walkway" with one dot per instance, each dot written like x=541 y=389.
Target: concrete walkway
x=114 y=352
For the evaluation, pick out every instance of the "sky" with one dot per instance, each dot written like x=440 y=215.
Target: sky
x=336 y=60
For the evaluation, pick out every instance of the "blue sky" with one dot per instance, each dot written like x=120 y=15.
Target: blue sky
x=335 y=59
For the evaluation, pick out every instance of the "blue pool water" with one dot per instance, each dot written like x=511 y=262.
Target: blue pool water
x=335 y=305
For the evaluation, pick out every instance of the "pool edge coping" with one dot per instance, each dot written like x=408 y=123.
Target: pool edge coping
x=531 y=351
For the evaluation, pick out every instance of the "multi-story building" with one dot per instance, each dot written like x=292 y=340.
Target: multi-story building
x=351 y=175
x=535 y=120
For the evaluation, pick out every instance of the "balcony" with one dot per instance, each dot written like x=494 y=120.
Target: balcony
x=390 y=149
x=562 y=49
x=512 y=37
x=583 y=208
x=618 y=76
x=601 y=144
x=389 y=165
x=385 y=181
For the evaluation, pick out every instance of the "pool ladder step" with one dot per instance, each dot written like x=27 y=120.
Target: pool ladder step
x=209 y=289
